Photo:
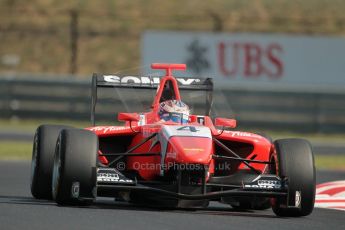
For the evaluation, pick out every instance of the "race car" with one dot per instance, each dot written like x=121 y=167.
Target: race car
x=168 y=157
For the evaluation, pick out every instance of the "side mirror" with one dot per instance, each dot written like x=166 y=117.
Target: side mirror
x=128 y=117
x=225 y=122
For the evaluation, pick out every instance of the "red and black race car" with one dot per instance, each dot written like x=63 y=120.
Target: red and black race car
x=169 y=157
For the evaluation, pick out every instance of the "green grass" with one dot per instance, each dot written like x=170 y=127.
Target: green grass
x=13 y=150
x=331 y=162
x=312 y=137
x=22 y=150
x=30 y=125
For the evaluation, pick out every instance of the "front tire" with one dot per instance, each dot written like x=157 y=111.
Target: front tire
x=75 y=167
x=42 y=160
x=294 y=161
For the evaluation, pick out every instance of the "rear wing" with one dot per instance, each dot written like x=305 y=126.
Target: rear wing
x=147 y=82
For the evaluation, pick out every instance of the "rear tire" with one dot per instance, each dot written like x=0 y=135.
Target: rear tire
x=42 y=160
x=294 y=160
x=75 y=163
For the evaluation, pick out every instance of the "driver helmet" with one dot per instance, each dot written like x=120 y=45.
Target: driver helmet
x=174 y=110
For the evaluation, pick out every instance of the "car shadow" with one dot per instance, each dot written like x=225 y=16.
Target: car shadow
x=5 y=199
x=211 y=210
x=116 y=205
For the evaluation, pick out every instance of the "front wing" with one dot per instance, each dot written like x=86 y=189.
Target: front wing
x=111 y=181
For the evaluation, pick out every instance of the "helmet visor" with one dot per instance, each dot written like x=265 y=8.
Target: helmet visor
x=175 y=117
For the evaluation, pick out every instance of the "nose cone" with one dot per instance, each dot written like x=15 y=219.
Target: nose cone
x=192 y=150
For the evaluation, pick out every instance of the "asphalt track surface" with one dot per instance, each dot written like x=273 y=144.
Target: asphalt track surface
x=18 y=210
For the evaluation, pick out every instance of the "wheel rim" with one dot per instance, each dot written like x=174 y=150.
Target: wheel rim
x=56 y=171
x=34 y=160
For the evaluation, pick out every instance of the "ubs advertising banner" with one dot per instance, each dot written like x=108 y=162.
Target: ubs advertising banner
x=247 y=59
